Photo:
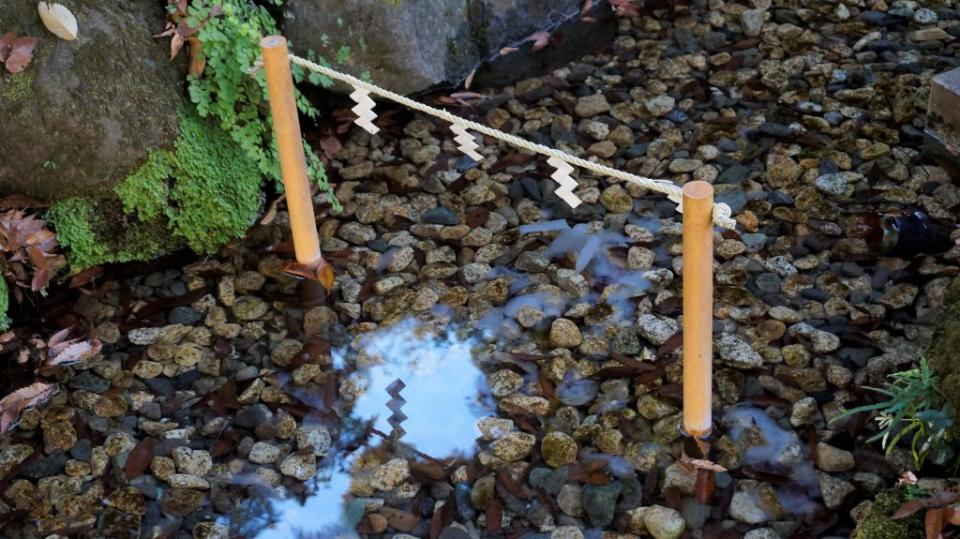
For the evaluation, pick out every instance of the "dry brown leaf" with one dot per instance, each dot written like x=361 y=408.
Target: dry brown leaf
x=20 y=400
x=197 y=61
x=6 y=45
x=176 y=43
x=625 y=7
x=59 y=20
x=21 y=53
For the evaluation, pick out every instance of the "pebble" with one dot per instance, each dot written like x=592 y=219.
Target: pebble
x=663 y=522
x=558 y=449
x=564 y=334
x=513 y=446
x=299 y=466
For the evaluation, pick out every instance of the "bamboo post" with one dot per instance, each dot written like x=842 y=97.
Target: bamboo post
x=293 y=165
x=697 y=308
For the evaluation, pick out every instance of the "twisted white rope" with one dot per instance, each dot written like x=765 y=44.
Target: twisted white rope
x=721 y=211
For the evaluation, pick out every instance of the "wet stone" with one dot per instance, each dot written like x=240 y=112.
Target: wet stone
x=178 y=502
x=513 y=446
x=600 y=502
x=299 y=465
x=253 y=415
x=558 y=449
x=564 y=333
x=249 y=308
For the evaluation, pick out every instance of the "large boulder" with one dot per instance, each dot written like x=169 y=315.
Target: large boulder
x=413 y=45
x=85 y=113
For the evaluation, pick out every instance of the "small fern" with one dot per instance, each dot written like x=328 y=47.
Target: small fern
x=915 y=411
x=230 y=33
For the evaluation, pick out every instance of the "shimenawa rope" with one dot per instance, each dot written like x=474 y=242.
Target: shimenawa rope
x=721 y=211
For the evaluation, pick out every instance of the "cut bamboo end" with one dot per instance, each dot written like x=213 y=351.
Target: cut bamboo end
x=293 y=164
x=697 y=308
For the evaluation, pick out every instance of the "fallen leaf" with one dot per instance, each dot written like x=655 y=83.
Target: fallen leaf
x=625 y=7
x=57 y=338
x=74 y=352
x=271 y=213
x=934 y=524
x=176 y=43
x=540 y=39
x=908 y=508
x=59 y=20
x=469 y=80
x=6 y=45
x=701 y=464
x=21 y=399
x=21 y=53
x=908 y=478
x=325 y=275
x=139 y=458
x=197 y=61
x=85 y=277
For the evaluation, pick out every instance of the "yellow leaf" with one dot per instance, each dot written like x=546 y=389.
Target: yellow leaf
x=59 y=20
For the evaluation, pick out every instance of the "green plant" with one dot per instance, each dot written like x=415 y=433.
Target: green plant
x=216 y=193
x=97 y=231
x=916 y=411
x=145 y=191
x=229 y=32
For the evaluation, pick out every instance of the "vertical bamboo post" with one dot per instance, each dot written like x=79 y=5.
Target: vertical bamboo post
x=293 y=165
x=697 y=308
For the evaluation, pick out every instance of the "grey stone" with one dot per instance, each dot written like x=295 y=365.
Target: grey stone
x=81 y=117
x=600 y=501
x=412 y=46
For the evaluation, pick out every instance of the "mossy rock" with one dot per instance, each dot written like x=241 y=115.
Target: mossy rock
x=98 y=231
x=944 y=351
x=204 y=193
x=86 y=113
x=877 y=524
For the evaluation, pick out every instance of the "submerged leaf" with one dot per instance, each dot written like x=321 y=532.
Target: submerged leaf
x=21 y=399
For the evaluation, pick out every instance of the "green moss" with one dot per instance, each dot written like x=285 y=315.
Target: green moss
x=16 y=86
x=215 y=196
x=97 y=231
x=217 y=192
x=145 y=191
x=877 y=524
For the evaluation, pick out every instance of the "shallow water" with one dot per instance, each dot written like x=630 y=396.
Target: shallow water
x=422 y=388
x=443 y=395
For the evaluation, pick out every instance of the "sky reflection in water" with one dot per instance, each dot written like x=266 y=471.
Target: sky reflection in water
x=445 y=394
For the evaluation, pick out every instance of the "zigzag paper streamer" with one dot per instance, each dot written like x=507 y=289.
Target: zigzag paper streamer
x=364 y=111
x=567 y=183
x=395 y=404
x=467 y=142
